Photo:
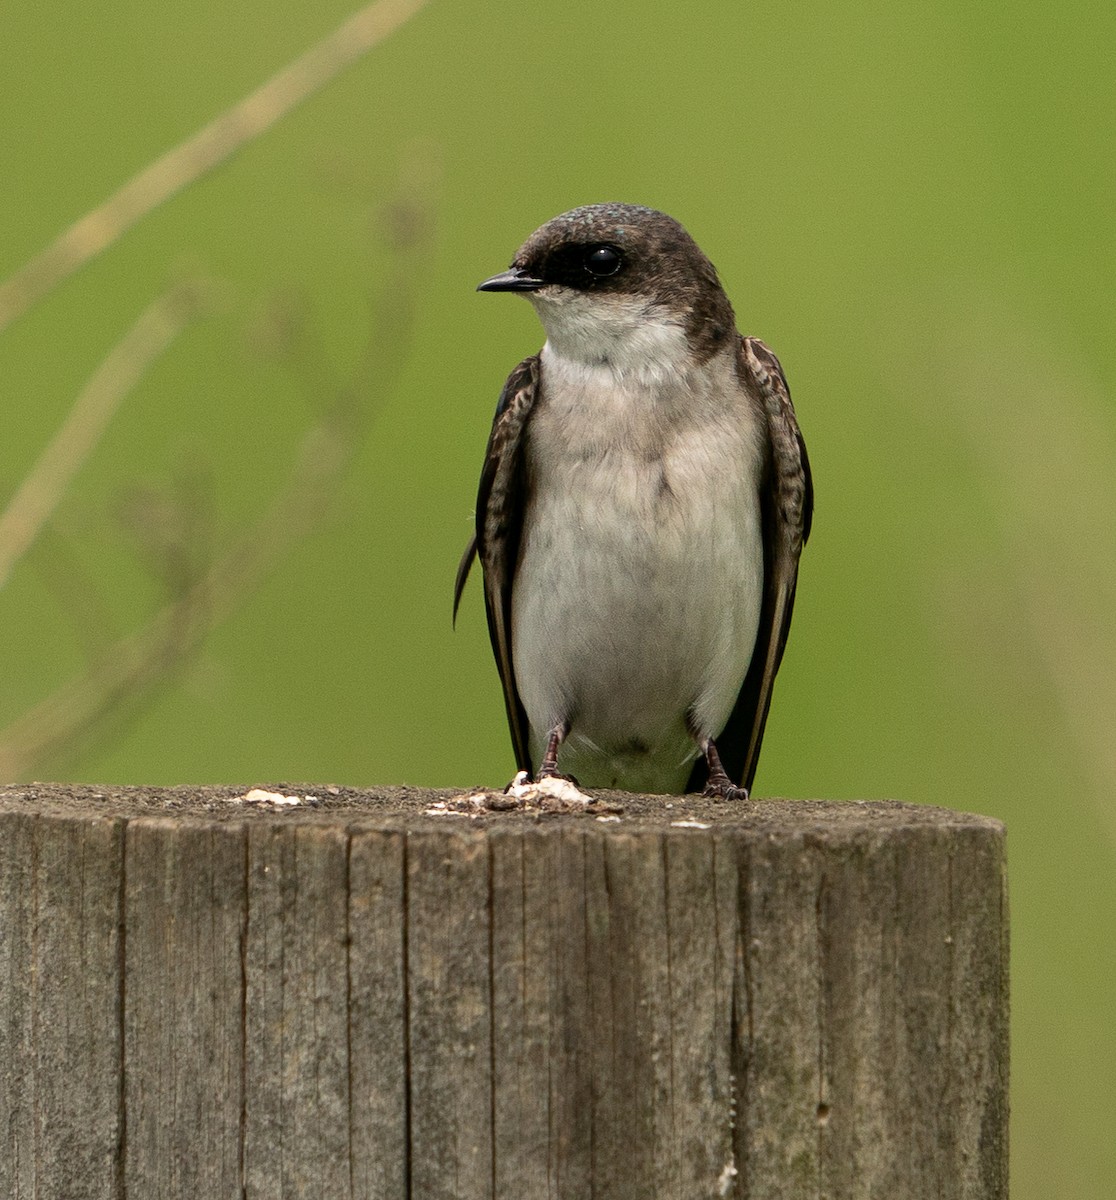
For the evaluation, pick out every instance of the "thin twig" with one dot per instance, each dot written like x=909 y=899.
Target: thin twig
x=199 y=154
x=124 y=366
x=124 y=674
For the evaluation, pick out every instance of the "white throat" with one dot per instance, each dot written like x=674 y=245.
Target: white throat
x=628 y=335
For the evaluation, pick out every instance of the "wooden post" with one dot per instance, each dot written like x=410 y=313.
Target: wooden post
x=362 y=996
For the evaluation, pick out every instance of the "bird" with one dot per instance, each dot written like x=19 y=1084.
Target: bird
x=643 y=504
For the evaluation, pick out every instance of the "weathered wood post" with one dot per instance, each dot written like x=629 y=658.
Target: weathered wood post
x=354 y=997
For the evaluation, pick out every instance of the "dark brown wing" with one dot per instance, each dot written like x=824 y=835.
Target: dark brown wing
x=500 y=503
x=787 y=505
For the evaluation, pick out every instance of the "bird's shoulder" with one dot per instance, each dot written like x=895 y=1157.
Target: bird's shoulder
x=763 y=375
x=501 y=462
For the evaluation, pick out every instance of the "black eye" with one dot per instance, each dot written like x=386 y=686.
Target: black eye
x=602 y=261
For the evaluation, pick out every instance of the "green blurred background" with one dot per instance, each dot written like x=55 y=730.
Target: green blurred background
x=912 y=203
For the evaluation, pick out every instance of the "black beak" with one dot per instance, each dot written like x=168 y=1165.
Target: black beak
x=514 y=280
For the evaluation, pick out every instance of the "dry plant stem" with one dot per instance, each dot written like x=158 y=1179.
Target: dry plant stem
x=125 y=365
x=132 y=665
x=196 y=156
x=119 y=677
x=124 y=674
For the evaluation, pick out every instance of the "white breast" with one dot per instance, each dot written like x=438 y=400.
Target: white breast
x=637 y=597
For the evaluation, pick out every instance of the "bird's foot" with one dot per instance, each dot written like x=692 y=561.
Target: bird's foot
x=548 y=768
x=724 y=789
x=556 y=774
x=720 y=786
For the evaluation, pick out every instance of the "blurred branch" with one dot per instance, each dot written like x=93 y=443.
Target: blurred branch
x=198 y=155
x=125 y=365
x=125 y=673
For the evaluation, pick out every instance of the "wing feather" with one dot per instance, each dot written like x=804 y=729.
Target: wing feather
x=787 y=503
x=501 y=500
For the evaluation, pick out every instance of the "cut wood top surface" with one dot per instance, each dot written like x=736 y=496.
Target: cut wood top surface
x=425 y=808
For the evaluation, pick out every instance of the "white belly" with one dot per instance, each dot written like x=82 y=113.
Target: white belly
x=640 y=578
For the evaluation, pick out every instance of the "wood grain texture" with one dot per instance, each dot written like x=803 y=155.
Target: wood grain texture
x=296 y=1005
x=357 y=998
x=378 y=1083
x=182 y=993
x=449 y=1020
x=60 y=1005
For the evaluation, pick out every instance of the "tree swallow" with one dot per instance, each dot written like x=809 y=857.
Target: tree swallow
x=644 y=500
